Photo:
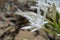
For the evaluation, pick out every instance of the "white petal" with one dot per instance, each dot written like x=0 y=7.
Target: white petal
x=18 y=13
x=58 y=34
x=34 y=30
x=33 y=7
x=45 y=22
x=27 y=27
x=45 y=4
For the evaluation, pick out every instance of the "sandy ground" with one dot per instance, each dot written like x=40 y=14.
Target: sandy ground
x=23 y=35
x=26 y=35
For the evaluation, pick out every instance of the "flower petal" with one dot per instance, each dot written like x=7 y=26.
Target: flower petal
x=45 y=22
x=34 y=30
x=26 y=27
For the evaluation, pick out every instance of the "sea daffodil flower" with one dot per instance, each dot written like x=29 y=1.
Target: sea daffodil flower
x=36 y=22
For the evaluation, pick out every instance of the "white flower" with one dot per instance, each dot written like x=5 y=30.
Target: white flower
x=36 y=21
x=41 y=5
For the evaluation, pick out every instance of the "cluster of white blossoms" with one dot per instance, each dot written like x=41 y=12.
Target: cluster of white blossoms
x=36 y=22
x=36 y=19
